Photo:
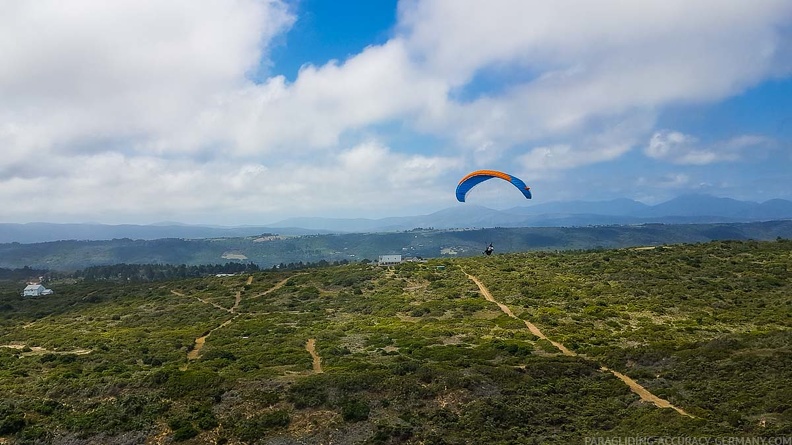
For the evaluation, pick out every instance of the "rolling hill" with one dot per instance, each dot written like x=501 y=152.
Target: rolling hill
x=540 y=347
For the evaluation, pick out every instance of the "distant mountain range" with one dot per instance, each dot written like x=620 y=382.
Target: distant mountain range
x=681 y=210
x=687 y=209
x=45 y=232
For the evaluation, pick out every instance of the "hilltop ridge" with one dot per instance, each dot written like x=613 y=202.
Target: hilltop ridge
x=545 y=347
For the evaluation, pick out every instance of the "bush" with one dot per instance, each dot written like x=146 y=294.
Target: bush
x=255 y=428
x=196 y=384
x=204 y=417
x=308 y=393
x=12 y=423
x=182 y=430
x=353 y=410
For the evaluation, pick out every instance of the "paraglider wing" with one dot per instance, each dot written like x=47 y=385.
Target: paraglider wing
x=477 y=177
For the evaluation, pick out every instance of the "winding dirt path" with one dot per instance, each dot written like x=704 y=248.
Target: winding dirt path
x=238 y=296
x=644 y=394
x=531 y=327
x=182 y=294
x=199 y=343
x=277 y=286
x=310 y=346
x=237 y=300
x=634 y=386
x=195 y=352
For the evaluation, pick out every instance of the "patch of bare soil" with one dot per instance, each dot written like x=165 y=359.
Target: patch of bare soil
x=310 y=346
x=309 y=422
x=160 y=437
x=233 y=256
x=237 y=300
x=37 y=350
x=642 y=392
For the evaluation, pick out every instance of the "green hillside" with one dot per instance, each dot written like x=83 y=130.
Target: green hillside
x=269 y=251
x=412 y=354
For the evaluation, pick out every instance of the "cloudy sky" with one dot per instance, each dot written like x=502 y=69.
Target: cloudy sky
x=250 y=111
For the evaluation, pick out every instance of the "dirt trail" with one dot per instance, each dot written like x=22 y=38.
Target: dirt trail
x=38 y=350
x=195 y=352
x=642 y=392
x=182 y=294
x=531 y=327
x=317 y=361
x=277 y=286
x=238 y=296
x=237 y=300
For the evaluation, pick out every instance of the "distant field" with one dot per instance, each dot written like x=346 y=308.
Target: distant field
x=412 y=354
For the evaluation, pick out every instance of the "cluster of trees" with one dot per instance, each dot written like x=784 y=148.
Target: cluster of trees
x=311 y=265
x=22 y=273
x=160 y=272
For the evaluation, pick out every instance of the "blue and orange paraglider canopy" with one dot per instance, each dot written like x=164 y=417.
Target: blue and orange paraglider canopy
x=477 y=177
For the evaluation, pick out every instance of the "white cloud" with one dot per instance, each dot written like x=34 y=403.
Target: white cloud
x=365 y=178
x=153 y=100
x=666 y=181
x=679 y=148
x=614 y=139
x=377 y=85
x=369 y=178
x=591 y=60
x=91 y=72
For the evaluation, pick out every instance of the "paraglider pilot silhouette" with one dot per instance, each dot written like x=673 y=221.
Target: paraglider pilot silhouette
x=477 y=177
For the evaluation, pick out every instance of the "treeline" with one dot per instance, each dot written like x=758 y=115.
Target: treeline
x=23 y=273
x=155 y=272
x=309 y=265
x=163 y=272
x=160 y=272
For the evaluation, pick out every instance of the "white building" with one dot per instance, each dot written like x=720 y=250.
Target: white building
x=35 y=290
x=389 y=260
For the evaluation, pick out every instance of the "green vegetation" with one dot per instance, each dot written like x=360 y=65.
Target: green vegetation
x=411 y=354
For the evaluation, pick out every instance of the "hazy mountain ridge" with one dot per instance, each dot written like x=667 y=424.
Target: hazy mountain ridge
x=686 y=209
x=681 y=210
x=46 y=232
